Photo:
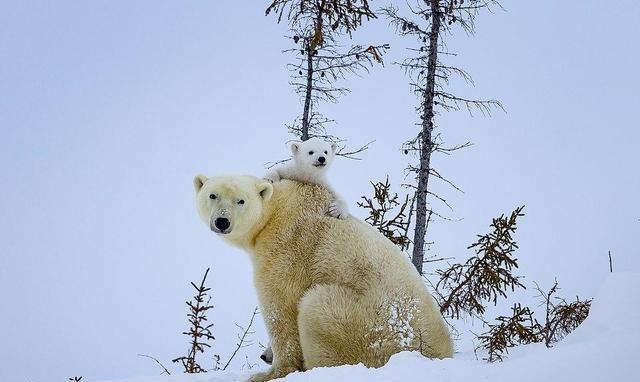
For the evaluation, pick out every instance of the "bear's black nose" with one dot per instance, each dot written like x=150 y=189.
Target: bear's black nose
x=263 y=357
x=222 y=223
x=321 y=159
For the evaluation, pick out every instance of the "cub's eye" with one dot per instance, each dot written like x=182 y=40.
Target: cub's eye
x=213 y=196
x=310 y=152
x=325 y=152
x=240 y=201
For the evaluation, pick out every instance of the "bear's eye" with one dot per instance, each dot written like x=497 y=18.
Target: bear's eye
x=310 y=152
x=325 y=152
x=240 y=201
x=213 y=196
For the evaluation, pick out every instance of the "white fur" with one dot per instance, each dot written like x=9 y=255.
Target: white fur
x=332 y=292
x=306 y=166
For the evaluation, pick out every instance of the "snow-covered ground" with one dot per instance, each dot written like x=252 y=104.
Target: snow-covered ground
x=603 y=348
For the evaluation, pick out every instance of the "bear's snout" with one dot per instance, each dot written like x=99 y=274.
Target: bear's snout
x=320 y=162
x=222 y=224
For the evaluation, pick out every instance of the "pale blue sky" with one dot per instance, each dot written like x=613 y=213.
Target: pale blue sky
x=108 y=109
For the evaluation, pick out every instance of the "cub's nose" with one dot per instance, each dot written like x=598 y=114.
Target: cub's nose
x=222 y=223
x=321 y=159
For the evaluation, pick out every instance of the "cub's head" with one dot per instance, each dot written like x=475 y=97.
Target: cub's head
x=231 y=205
x=313 y=154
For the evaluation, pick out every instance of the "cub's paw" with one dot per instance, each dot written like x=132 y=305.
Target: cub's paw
x=338 y=209
x=272 y=178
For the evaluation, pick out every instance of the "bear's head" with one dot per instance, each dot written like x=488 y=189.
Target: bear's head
x=313 y=155
x=231 y=205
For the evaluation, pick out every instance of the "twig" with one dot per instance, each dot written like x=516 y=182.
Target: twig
x=350 y=153
x=270 y=165
x=158 y=362
x=241 y=341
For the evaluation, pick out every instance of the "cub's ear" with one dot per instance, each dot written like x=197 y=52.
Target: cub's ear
x=198 y=182
x=265 y=189
x=334 y=147
x=295 y=147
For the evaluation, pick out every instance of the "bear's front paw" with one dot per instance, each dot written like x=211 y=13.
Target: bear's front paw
x=272 y=373
x=259 y=377
x=338 y=209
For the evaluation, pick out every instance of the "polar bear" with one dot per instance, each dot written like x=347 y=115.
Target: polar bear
x=309 y=162
x=331 y=291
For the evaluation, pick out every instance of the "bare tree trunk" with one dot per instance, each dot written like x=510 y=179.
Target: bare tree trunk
x=426 y=146
x=306 y=117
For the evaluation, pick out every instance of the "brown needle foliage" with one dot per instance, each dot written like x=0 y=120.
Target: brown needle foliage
x=464 y=288
x=561 y=317
x=341 y=15
x=321 y=59
x=388 y=213
x=518 y=329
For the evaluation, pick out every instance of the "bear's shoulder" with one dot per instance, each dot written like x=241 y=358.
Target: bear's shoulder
x=295 y=197
x=296 y=213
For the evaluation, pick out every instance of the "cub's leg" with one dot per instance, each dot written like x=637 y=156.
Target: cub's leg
x=338 y=208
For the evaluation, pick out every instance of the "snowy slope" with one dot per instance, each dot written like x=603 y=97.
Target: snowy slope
x=601 y=349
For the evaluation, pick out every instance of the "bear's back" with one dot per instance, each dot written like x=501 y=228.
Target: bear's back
x=332 y=250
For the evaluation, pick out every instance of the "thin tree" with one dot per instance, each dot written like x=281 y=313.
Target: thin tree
x=464 y=289
x=199 y=332
x=561 y=317
x=320 y=61
x=520 y=328
x=429 y=75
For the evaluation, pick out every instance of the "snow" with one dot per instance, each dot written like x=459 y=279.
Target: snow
x=603 y=348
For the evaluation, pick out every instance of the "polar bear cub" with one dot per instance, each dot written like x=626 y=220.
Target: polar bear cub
x=310 y=160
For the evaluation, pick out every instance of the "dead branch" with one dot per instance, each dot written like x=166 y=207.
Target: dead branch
x=561 y=317
x=199 y=331
x=243 y=338
x=165 y=371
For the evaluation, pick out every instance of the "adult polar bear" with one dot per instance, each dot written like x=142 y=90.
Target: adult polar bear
x=331 y=291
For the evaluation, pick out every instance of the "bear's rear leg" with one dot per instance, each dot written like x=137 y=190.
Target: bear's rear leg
x=337 y=327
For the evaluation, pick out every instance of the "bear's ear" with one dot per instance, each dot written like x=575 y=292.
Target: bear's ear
x=334 y=147
x=198 y=182
x=265 y=189
x=295 y=147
